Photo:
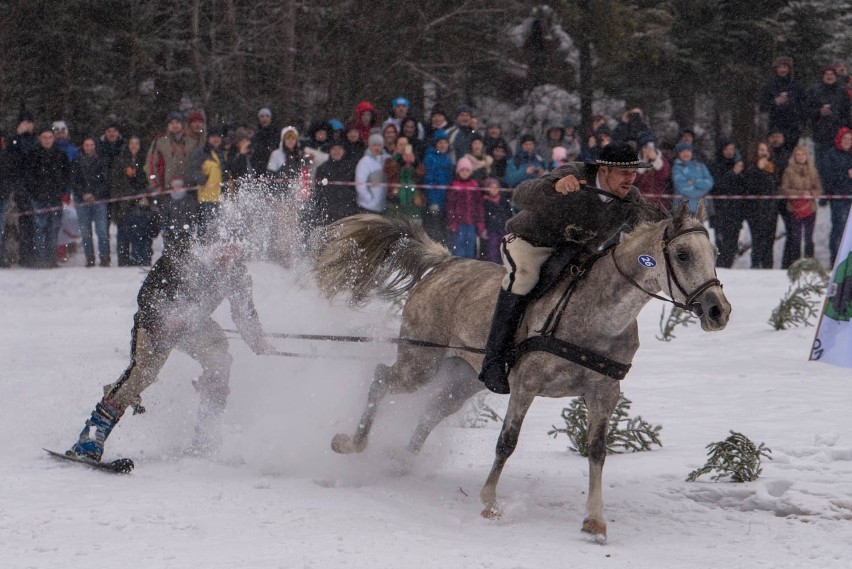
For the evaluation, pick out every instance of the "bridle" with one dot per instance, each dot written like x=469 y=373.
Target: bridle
x=689 y=303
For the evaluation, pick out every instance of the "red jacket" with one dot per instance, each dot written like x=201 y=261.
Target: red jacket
x=464 y=205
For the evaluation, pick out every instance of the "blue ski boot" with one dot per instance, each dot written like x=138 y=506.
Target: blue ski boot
x=90 y=445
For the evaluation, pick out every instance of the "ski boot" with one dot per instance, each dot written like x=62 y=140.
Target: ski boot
x=90 y=444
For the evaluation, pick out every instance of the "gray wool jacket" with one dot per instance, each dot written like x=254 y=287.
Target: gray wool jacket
x=549 y=219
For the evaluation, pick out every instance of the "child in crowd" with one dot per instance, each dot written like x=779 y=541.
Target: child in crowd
x=497 y=210
x=464 y=211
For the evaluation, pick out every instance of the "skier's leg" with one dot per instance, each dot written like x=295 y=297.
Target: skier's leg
x=146 y=362
x=209 y=346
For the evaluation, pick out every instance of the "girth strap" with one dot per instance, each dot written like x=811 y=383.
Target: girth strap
x=572 y=353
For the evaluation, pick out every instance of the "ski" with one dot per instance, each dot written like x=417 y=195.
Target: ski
x=119 y=466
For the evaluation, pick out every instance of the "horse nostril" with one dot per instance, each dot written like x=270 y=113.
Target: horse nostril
x=715 y=313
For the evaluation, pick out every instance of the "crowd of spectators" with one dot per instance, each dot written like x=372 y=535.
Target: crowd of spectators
x=448 y=172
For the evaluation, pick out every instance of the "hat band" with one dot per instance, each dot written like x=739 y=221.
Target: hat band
x=634 y=163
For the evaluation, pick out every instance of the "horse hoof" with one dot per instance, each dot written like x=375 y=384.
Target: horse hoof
x=342 y=444
x=492 y=513
x=596 y=529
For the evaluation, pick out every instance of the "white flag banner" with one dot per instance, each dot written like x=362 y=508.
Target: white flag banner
x=833 y=341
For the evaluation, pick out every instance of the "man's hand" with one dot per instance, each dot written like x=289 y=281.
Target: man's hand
x=568 y=184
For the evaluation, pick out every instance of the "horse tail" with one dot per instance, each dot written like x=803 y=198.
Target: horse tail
x=368 y=254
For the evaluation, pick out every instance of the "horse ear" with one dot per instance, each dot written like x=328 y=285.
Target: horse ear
x=701 y=213
x=682 y=215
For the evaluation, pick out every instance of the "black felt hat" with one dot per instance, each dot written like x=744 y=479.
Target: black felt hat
x=619 y=155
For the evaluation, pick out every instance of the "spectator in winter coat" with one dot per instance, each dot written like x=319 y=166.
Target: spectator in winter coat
x=552 y=138
x=370 y=177
x=90 y=179
x=166 y=163
x=801 y=185
x=500 y=153
x=497 y=211
x=526 y=164
x=570 y=139
x=110 y=144
x=135 y=231
x=176 y=301
x=318 y=136
x=465 y=215
x=461 y=133
x=409 y=130
x=838 y=181
x=333 y=197
x=439 y=172
x=207 y=172
x=631 y=126
x=437 y=121
x=479 y=160
x=655 y=180
x=761 y=215
x=62 y=140
x=265 y=140
x=46 y=180
x=729 y=213
x=365 y=119
x=23 y=144
x=403 y=171
x=690 y=178
x=494 y=137
x=828 y=107
x=288 y=166
x=783 y=98
x=354 y=146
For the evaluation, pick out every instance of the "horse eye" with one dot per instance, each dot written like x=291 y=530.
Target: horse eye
x=682 y=256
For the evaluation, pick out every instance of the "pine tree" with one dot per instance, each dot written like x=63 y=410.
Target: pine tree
x=737 y=458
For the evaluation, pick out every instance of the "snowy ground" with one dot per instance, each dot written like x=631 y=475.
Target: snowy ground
x=278 y=497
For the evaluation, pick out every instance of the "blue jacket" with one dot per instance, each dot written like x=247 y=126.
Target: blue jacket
x=439 y=172
x=691 y=180
x=516 y=169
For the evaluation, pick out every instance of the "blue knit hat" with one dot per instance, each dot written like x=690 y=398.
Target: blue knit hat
x=441 y=134
x=683 y=146
x=401 y=101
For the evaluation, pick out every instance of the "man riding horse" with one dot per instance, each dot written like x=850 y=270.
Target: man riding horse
x=555 y=215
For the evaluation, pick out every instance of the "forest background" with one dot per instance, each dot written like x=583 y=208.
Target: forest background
x=687 y=63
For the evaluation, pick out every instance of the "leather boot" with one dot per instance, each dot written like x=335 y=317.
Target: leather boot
x=504 y=324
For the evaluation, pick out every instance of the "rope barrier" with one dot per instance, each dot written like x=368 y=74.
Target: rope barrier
x=324 y=182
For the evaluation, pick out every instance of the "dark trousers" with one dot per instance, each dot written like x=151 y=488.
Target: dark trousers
x=762 y=219
x=797 y=231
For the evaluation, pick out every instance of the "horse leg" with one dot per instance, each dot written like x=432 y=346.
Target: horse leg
x=343 y=443
x=519 y=403
x=459 y=386
x=600 y=407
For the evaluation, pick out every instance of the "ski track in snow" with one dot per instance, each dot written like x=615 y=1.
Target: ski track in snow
x=276 y=496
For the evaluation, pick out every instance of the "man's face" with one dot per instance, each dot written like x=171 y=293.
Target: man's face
x=463 y=119
x=492 y=131
x=840 y=67
x=215 y=141
x=88 y=147
x=555 y=134
x=729 y=151
x=60 y=133
x=134 y=145
x=352 y=135
x=174 y=126
x=321 y=135
x=617 y=180
x=336 y=152
x=762 y=150
x=409 y=128
x=400 y=111
x=782 y=70
x=476 y=147
x=264 y=120
x=776 y=139
x=196 y=126
x=685 y=155
x=438 y=119
x=111 y=134
x=829 y=77
x=846 y=141
x=401 y=143
x=46 y=140
x=528 y=146
x=498 y=153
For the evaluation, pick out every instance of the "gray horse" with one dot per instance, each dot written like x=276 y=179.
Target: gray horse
x=450 y=303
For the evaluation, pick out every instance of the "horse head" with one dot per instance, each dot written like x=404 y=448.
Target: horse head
x=691 y=279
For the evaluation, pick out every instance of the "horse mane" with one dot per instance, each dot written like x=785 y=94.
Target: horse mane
x=651 y=214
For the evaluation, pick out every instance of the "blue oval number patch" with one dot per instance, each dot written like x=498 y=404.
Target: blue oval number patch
x=647 y=261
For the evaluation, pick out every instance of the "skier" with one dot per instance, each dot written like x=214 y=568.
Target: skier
x=175 y=302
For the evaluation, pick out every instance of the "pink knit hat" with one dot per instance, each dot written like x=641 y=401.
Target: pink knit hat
x=462 y=164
